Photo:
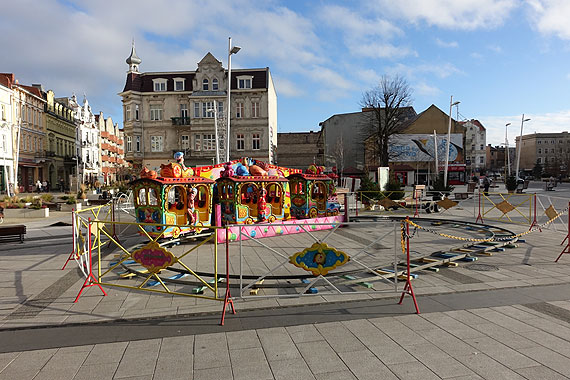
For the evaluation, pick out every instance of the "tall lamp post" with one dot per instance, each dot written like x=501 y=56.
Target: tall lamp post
x=507 y=159
x=231 y=50
x=520 y=146
x=435 y=154
x=451 y=104
x=215 y=111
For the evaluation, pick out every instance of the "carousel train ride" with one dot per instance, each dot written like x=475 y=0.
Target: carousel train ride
x=249 y=191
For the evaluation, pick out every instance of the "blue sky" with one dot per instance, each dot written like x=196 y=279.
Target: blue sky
x=500 y=58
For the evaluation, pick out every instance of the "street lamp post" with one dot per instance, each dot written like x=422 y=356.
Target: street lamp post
x=435 y=154
x=215 y=111
x=520 y=146
x=507 y=159
x=451 y=104
x=231 y=51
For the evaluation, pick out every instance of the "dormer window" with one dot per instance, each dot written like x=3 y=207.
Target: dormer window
x=159 y=84
x=178 y=84
x=244 y=81
x=205 y=84
x=214 y=84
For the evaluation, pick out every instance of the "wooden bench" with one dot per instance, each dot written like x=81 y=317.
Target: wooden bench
x=16 y=231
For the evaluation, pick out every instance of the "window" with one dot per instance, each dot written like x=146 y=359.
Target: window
x=239 y=109
x=240 y=139
x=159 y=84
x=156 y=143
x=136 y=111
x=215 y=84
x=129 y=144
x=3 y=112
x=178 y=84
x=481 y=160
x=244 y=81
x=539 y=160
x=220 y=109
x=482 y=147
x=197 y=143
x=254 y=109
x=209 y=142
x=552 y=141
x=255 y=141
x=206 y=107
x=4 y=144
x=539 y=151
x=155 y=112
x=552 y=150
x=184 y=110
x=539 y=141
x=196 y=109
x=35 y=144
x=138 y=143
x=128 y=112
x=205 y=84
x=185 y=142
x=551 y=159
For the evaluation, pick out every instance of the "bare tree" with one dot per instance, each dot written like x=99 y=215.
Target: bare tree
x=386 y=105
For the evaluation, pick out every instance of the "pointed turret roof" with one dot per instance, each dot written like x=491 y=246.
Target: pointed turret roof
x=133 y=58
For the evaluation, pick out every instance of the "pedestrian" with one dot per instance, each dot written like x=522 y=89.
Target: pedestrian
x=486 y=185
x=61 y=185
x=44 y=186
x=38 y=186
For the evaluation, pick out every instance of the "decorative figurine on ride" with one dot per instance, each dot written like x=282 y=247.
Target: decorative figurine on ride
x=176 y=196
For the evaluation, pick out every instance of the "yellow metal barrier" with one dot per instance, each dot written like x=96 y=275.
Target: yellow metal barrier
x=501 y=206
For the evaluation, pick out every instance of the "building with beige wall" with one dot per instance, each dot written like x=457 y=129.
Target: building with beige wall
x=113 y=164
x=166 y=112
x=475 y=146
x=300 y=149
x=550 y=150
x=6 y=134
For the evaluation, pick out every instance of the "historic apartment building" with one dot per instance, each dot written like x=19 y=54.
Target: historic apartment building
x=6 y=133
x=166 y=112
x=550 y=150
x=61 y=147
x=113 y=165
x=475 y=146
x=300 y=149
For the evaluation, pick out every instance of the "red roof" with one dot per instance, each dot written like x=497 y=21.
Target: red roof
x=322 y=177
x=7 y=79
x=169 y=180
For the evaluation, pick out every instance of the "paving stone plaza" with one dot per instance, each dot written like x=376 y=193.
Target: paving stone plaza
x=505 y=316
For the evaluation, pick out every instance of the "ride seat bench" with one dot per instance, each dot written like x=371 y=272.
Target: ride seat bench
x=16 y=231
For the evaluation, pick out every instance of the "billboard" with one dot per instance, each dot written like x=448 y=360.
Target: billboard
x=420 y=147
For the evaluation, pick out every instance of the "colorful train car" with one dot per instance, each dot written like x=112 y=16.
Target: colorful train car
x=253 y=199
x=187 y=202
x=312 y=195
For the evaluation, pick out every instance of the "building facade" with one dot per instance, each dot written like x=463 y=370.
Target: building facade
x=475 y=146
x=28 y=105
x=300 y=149
x=61 y=147
x=87 y=139
x=113 y=164
x=551 y=151
x=6 y=134
x=166 y=112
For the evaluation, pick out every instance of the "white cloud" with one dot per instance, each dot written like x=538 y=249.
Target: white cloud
x=424 y=89
x=539 y=123
x=287 y=88
x=445 y=44
x=442 y=70
x=495 y=48
x=476 y=55
x=550 y=17
x=451 y=14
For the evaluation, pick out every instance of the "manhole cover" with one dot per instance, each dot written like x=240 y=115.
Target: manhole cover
x=482 y=267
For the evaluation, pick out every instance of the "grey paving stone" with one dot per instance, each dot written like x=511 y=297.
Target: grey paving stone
x=488 y=368
x=62 y=365
x=100 y=371
x=217 y=373
x=501 y=353
x=320 y=357
x=459 y=329
x=438 y=361
x=139 y=358
x=27 y=364
x=304 y=333
x=7 y=358
x=339 y=337
x=549 y=358
x=211 y=351
x=540 y=372
x=503 y=320
x=511 y=339
x=337 y=375
x=277 y=344
x=291 y=369
x=106 y=353
x=447 y=342
x=243 y=339
x=399 y=332
x=365 y=365
x=412 y=371
x=175 y=359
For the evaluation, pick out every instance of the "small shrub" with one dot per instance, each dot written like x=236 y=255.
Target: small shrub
x=64 y=197
x=47 y=197
x=71 y=200
x=36 y=203
x=511 y=183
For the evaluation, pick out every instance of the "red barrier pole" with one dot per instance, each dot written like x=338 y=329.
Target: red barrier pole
x=91 y=280
x=534 y=222
x=567 y=248
x=408 y=287
x=228 y=297
x=479 y=217
x=73 y=239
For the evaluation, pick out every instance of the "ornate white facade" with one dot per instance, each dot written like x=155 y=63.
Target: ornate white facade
x=88 y=139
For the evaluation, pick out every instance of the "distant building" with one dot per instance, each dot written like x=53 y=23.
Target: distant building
x=166 y=112
x=300 y=149
x=7 y=130
x=113 y=165
x=475 y=146
x=549 y=150
x=87 y=139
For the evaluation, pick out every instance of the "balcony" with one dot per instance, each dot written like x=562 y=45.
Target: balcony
x=180 y=120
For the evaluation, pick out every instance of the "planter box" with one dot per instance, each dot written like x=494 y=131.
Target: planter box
x=66 y=207
x=26 y=213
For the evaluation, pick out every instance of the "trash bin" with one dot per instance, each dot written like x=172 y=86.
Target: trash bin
x=471 y=186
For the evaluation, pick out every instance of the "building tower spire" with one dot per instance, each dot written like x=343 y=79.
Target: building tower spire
x=133 y=61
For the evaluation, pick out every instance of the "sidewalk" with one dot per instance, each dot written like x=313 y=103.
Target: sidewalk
x=512 y=322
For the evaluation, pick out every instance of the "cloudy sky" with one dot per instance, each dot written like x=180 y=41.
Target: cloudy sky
x=499 y=58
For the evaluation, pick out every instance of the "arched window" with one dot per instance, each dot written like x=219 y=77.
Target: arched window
x=205 y=84
x=215 y=84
